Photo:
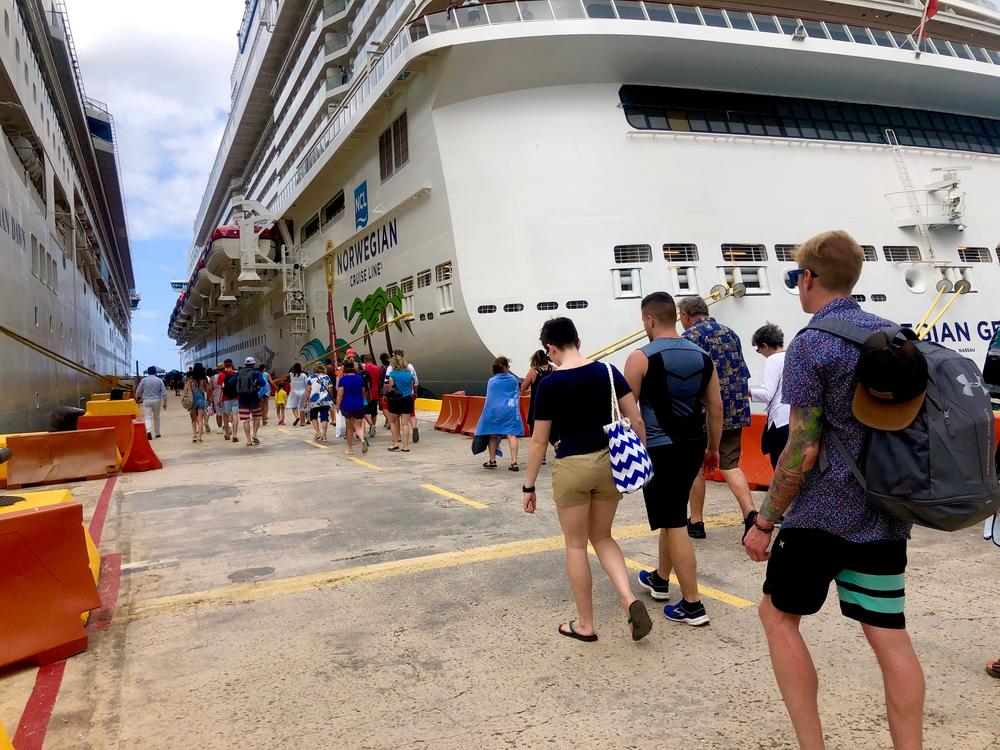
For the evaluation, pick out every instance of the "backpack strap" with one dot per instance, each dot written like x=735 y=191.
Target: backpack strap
x=842 y=328
x=838 y=445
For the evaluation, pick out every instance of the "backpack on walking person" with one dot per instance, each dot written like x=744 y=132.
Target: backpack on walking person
x=247 y=382
x=936 y=467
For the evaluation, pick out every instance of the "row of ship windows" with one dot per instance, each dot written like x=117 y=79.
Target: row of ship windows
x=756 y=253
x=514 y=307
x=690 y=110
x=240 y=346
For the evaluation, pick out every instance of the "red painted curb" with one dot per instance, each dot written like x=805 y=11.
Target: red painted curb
x=101 y=511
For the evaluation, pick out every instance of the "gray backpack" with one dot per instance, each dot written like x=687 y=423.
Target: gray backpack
x=938 y=472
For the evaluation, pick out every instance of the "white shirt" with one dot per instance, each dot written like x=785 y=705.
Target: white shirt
x=151 y=388
x=416 y=380
x=770 y=392
x=298 y=382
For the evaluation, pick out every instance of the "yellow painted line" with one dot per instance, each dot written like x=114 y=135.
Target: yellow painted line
x=359 y=462
x=453 y=496
x=249 y=592
x=282 y=429
x=708 y=591
x=314 y=444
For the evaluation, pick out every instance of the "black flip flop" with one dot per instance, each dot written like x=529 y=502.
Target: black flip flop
x=993 y=668
x=490 y=465
x=515 y=467
x=638 y=618
x=573 y=634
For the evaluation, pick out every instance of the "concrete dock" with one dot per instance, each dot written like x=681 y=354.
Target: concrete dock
x=284 y=596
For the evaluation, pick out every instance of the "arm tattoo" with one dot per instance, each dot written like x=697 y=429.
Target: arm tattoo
x=796 y=462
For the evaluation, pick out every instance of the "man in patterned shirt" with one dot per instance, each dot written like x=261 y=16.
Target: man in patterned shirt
x=726 y=351
x=831 y=531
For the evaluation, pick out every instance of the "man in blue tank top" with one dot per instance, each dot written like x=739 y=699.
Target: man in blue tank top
x=676 y=384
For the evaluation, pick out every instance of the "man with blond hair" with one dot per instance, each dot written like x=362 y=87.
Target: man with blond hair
x=830 y=531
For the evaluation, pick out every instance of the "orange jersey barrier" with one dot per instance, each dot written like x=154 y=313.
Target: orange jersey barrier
x=140 y=456
x=122 y=424
x=756 y=466
x=48 y=457
x=44 y=570
x=472 y=415
x=453 y=409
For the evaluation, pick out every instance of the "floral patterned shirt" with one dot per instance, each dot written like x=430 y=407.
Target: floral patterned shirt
x=726 y=351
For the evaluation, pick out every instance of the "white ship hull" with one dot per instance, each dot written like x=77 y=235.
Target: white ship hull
x=525 y=177
x=63 y=285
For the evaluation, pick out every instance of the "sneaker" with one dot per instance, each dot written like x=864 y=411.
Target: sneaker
x=149 y=436
x=656 y=586
x=696 y=530
x=689 y=614
x=235 y=439
x=748 y=522
x=416 y=434
x=371 y=431
x=364 y=445
x=219 y=431
x=157 y=434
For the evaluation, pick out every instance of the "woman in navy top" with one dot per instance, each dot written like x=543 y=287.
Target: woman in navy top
x=351 y=403
x=577 y=398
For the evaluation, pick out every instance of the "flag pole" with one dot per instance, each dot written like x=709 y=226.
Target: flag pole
x=920 y=29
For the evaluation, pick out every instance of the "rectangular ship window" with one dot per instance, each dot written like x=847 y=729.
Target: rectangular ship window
x=901 y=253
x=443 y=272
x=424 y=279
x=680 y=253
x=333 y=210
x=974 y=254
x=626 y=283
x=393 y=148
x=407 y=285
x=633 y=254
x=685 y=280
x=310 y=228
x=785 y=253
x=870 y=254
x=732 y=253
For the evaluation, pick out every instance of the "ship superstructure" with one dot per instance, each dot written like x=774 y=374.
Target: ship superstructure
x=67 y=283
x=487 y=166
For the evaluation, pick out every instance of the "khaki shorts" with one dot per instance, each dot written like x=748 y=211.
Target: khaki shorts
x=576 y=480
x=729 y=449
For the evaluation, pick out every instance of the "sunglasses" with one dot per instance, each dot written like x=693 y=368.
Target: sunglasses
x=792 y=276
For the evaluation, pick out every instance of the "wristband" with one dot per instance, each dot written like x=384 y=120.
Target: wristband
x=761 y=528
x=527 y=489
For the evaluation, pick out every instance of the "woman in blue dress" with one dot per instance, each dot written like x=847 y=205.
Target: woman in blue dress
x=502 y=413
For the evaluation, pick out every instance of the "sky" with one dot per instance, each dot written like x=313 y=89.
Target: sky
x=163 y=69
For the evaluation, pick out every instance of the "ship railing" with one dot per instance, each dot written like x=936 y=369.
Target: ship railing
x=494 y=13
x=350 y=108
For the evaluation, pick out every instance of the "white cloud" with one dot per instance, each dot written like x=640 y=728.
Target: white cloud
x=163 y=70
x=151 y=314
x=141 y=338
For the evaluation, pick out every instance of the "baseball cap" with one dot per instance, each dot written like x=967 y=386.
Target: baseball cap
x=892 y=381
x=351 y=353
x=249 y=361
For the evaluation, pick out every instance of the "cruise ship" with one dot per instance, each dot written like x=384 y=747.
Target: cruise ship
x=485 y=166
x=67 y=289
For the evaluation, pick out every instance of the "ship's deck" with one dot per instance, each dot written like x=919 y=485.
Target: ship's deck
x=286 y=597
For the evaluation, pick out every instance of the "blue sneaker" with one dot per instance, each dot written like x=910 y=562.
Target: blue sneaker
x=656 y=586
x=690 y=614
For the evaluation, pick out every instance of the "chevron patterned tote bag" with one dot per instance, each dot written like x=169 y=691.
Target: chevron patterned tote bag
x=630 y=464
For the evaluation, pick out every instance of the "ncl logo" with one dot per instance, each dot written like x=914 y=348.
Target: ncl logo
x=361 y=205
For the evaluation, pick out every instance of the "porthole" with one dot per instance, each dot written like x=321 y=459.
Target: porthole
x=879 y=298
x=858 y=298
x=547 y=305
x=513 y=307
x=577 y=304
x=486 y=309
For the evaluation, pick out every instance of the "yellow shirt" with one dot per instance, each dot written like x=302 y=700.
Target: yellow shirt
x=281 y=397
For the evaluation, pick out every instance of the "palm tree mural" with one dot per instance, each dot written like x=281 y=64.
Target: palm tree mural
x=374 y=311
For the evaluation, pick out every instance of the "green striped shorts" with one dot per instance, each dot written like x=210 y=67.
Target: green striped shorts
x=869 y=576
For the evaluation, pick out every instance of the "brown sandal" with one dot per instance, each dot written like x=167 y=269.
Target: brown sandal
x=638 y=618
x=993 y=668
